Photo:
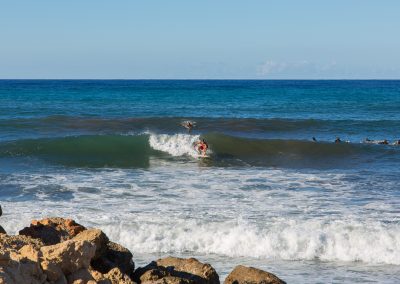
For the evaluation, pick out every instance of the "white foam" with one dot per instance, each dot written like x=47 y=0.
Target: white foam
x=371 y=243
x=283 y=214
x=175 y=145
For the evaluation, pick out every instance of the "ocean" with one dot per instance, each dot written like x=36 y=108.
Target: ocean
x=112 y=154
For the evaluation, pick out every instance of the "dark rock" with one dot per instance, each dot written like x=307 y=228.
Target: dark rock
x=114 y=255
x=177 y=270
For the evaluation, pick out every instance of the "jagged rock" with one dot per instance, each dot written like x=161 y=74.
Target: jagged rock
x=16 y=269
x=52 y=230
x=80 y=276
x=177 y=270
x=96 y=237
x=66 y=257
x=2 y=231
x=114 y=255
x=250 y=275
x=116 y=276
x=17 y=242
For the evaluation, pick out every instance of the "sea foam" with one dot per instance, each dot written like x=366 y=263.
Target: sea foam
x=175 y=145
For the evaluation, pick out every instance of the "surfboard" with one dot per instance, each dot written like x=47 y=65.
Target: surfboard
x=201 y=156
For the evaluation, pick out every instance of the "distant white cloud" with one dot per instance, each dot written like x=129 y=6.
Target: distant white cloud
x=299 y=68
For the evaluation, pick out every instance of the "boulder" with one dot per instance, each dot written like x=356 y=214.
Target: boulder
x=95 y=237
x=52 y=230
x=250 y=275
x=66 y=258
x=2 y=231
x=16 y=269
x=114 y=256
x=177 y=270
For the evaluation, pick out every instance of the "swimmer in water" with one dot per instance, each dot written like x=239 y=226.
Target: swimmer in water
x=337 y=140
x=201 y=147
x=188 y=125
x=314 y=139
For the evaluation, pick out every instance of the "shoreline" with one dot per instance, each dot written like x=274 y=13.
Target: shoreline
x=58 y=250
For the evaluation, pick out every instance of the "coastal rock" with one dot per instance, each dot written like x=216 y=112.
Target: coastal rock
x=76 y=255
x=80 y=276
x=177 y=270
x=15 y=243
x=250 y=275
x=95 y=237
x=116 y=276
x=15 y=269
x=2 y=231
x=114 y=256
x=52 y=230
x=66 y=258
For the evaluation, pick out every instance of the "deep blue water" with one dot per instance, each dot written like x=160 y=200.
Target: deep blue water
x=113 y=154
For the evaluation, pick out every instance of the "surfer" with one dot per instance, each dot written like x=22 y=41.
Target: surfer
x=337 y=140
x=314 y=139
x=201 y=147
x=188 y=125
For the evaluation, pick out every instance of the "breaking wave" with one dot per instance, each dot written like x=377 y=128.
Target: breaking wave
x=225 y=150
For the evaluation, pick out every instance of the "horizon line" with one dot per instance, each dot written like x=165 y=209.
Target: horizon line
x=197 y=79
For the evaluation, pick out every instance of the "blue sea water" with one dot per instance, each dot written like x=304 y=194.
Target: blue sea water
x=112 y=154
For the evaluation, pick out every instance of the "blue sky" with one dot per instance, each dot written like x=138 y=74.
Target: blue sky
x=200 y=39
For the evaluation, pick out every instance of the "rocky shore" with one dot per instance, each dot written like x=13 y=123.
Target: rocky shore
x=58 y=250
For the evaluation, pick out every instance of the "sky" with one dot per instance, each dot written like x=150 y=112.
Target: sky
x=208 y=39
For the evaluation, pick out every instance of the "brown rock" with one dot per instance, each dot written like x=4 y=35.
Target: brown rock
x=250 y=275
x=30 y=252
x=96 y=237
x=66 y=257
x=15 y=269
x=177 y=270
x=116 y=276
x=15 y=243
x=114 y=255
x=80 y=276
x=52 y=230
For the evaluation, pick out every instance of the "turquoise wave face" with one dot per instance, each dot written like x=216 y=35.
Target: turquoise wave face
x=137 y=150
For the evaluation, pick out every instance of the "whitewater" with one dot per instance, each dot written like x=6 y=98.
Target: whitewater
x=112 y=155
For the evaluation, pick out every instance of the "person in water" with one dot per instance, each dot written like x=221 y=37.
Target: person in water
x=188 y=125
x=314 y=139
x=384 y=142
x=201 y=146
x=337 y=140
